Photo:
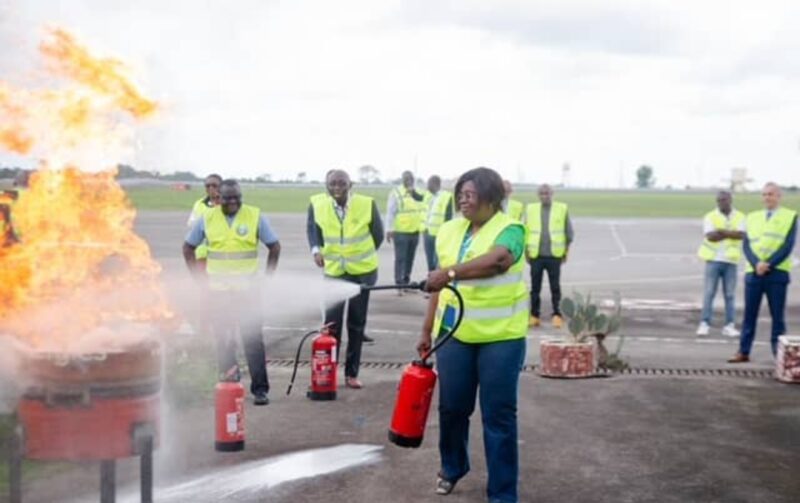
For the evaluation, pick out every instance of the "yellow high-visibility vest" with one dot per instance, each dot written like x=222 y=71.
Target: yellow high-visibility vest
x=232 y=249
x=515 y=209
x=557 y=229
x=496 y=308
x=733 y=247
x=199 y=210
x=427 y=196
x=409 y=211
x=348 y=245
x=767 y=236
x=437 y=211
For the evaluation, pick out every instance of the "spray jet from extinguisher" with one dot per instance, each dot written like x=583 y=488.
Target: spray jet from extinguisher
x=415 y=391
x=323 y=364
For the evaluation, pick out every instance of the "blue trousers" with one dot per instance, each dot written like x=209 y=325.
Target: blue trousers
x=716 y=271
x=405 y=248
x=430 y=252
x=492 y=370
x=773 y=286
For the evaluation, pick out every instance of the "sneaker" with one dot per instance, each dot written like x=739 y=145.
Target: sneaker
x=703 y=329
x=353 y=383
x=444 y=486
x=260 y=398
x=534 y=321
x=729 y=330
x=557 y=321
x=367 y=340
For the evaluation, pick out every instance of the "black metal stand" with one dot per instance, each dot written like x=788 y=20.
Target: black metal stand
x=144 y=439
x=108 y=481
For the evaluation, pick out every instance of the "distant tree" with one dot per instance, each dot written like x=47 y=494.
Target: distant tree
x=368 y=174
x=644 y=177
x=301 y=177
x=264 y=178
x=181 y=176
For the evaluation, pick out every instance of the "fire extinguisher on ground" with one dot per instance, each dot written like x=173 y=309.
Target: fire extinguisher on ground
x=229 y=405
x=323 y=365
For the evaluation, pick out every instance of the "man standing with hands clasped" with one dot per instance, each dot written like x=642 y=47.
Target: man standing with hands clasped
x=344 y=232
x=768 y=248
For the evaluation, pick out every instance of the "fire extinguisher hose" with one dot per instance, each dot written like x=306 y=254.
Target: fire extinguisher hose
x=297 y=358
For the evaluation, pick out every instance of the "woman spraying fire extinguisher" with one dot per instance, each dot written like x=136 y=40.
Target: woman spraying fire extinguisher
x=482 y=255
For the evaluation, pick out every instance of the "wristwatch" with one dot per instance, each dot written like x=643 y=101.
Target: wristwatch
x=451 y=273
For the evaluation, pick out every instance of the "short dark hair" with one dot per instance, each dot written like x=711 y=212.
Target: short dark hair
x=229 y=182
x=487 y=182
x=214 y=175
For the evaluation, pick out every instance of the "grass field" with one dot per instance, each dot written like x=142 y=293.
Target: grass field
x=623 y=204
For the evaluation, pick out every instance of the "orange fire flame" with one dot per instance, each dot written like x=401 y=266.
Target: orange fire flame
x=77 y=264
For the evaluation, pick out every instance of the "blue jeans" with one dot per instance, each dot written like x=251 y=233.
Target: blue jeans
x=493 y=369
x=774 y=286
x=430 y=252
x=405 y=247
x=716 y=271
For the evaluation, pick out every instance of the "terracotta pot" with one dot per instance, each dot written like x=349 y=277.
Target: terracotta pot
x=787 y=360
x=560 y=358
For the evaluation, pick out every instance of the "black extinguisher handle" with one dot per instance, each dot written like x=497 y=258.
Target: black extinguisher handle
x=297 y=358
x=444 y=338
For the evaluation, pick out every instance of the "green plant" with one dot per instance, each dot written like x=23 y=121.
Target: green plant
x=585 y=320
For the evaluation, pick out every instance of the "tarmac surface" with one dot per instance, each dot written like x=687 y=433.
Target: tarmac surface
x=665 y=437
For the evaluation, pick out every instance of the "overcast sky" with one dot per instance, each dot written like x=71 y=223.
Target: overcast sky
x=279 y=87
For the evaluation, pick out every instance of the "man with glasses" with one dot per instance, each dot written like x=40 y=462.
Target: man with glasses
x=200 y=208
x=344 y=232
x=233 y=231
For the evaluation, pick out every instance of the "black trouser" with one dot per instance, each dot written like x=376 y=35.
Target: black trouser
x=239 y=312
x=553 y=267
x=356 y=321
x=405 y=248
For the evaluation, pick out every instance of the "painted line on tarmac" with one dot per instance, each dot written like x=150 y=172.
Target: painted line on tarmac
x=618 y=240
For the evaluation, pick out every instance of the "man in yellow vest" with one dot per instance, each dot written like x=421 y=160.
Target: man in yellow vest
x=344 y=232
x=200 y=208
x=768 y=247
x=404 y=213
x=512 y=207
x=549 y=237
x=723 y=229
x=233 y=231
x=440 y=210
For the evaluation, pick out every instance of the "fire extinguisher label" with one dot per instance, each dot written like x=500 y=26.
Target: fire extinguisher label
x=323 y=368
x=232 y=422
x=333 y=353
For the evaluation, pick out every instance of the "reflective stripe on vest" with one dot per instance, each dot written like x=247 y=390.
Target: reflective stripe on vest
x=557 y=229
x=733 y=247
x=496 y=308
x=199 y=210
x=767 y=236
x=438 y=211
x=515 y=209
x=409 y=211
x=232 y=249
x=348 y=246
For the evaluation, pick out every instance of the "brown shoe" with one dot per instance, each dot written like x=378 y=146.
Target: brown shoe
x=739 y=358
x=557 y=321
x=352 y=382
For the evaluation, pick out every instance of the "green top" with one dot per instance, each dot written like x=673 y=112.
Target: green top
x=513 y=239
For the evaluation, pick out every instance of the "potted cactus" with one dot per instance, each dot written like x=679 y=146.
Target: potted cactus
x=580 y=354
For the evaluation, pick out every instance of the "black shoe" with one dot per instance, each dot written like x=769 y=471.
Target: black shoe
x=260 y=398
x=367 y=340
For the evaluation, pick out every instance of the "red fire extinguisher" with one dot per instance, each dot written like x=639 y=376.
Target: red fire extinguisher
x=415 y=391
x=229 y=402
x=323 y=365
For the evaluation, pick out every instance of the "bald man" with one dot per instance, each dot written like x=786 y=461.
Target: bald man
x=768 y=246
x=344 y=233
